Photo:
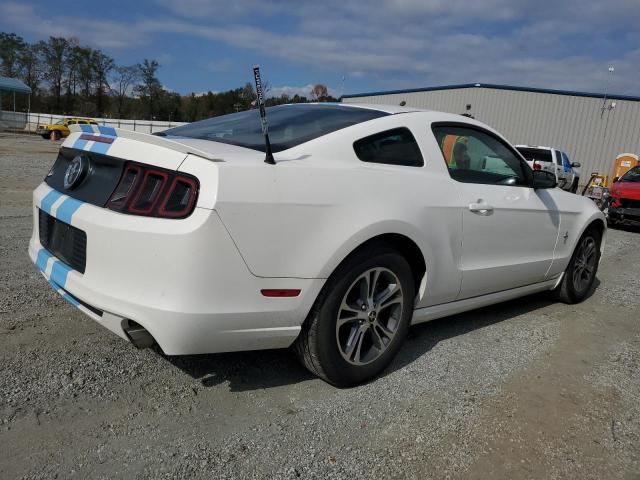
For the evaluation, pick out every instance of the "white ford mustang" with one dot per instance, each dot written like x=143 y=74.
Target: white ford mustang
x=371 y=219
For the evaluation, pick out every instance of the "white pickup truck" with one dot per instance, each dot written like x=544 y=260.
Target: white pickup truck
x=552 y=160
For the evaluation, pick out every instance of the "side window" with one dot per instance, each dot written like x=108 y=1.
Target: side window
x=558 y=158
x=566 y=163
x=71 y=122
x=473 y=156
x=393 y=147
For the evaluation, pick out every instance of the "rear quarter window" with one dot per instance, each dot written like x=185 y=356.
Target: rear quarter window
x=536 y=154
x=391 y=147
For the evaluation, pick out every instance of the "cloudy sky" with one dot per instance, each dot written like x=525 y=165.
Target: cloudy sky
x=356 y=46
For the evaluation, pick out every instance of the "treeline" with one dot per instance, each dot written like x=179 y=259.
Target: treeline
x=72 y=79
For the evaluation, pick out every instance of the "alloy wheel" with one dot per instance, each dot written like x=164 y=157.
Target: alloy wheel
x=369 y=316
x=584 y=266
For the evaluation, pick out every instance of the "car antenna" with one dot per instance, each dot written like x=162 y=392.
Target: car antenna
x=263 y=117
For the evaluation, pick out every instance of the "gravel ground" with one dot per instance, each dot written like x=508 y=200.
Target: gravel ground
x=526 y=389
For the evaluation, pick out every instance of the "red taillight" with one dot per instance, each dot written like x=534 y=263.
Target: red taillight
x=280 y=292
x=154 y=192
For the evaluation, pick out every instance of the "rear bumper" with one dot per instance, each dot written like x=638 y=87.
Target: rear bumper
x=182 y=280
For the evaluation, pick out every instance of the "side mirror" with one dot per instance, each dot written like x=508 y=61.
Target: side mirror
x=575 y=164
x=615 y=179
x=544 y=179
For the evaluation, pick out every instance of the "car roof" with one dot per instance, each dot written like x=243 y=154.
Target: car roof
x=535 y=146
x=369 y=106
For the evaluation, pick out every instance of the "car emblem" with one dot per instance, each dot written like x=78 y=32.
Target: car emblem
x=76 y=172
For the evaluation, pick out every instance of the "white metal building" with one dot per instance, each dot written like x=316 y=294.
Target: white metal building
x=592 y=128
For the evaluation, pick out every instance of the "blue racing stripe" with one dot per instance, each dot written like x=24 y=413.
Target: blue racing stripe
x=86 y=128
x=70 y=299
x=64 y=294
x=103 y=129
x=42 y=258
x=79 y=144
x=49 y=199
x=59 y=273
x=99 y=147
x=67 y=209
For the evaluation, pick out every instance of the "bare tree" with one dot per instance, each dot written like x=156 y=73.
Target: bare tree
x=30 y=66
x=101 y=64
x=124 y=78
x=54 y=53
x=319 y=92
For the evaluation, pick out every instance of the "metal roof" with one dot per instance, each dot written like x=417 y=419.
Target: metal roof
x=8 y=84
x=497 y=87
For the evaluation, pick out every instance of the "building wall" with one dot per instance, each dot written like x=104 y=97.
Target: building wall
x=574 y=124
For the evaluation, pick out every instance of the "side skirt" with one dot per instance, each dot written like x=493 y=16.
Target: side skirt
x=434 y=312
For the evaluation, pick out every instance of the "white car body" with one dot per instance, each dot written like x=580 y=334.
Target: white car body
x=560 y=165
x=195 y=283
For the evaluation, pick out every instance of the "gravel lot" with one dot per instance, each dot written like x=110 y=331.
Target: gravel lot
x=526 y=389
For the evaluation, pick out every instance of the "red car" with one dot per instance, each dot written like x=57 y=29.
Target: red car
x=625 y=198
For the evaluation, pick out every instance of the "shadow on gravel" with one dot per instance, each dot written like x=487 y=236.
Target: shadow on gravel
x=244 y=371
x=257 y=370
x=425 y=336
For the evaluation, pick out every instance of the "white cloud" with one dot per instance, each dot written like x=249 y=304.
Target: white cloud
x=396 y=43
x=98 y=33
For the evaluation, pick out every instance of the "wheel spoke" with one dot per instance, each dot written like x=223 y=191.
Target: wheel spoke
x=589 y=250
x=358 y=347
x=349 y=319
x=377 y=339
x=363 y=282
x=387 y=294
x=386 y=331
x=352 y=341
x=375 y=276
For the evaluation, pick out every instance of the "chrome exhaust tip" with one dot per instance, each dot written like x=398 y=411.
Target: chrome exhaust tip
x=138 y=335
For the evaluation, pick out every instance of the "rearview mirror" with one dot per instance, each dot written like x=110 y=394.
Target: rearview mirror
x=575 y=164
x=615 y=179
x=544 y=179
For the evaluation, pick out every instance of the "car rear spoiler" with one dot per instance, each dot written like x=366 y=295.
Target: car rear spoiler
x=111 y=132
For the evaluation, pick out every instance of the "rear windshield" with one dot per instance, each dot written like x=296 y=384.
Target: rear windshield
x=289 y=125
x=538 y=154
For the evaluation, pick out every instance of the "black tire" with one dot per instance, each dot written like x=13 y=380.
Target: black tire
x=317 y=346
x=55 y=135
x=568 y=290
x=46 y=136
x=574 y=186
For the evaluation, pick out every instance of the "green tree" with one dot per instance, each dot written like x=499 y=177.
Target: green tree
x=30 y=67
x=11 y=47
x=150 y=89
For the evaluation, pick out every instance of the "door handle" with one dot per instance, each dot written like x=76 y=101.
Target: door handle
x=481 y=209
